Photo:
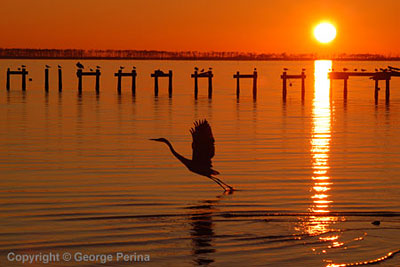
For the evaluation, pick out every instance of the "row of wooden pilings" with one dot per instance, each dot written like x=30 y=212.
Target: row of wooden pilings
x=133 y=74
x=376 y=76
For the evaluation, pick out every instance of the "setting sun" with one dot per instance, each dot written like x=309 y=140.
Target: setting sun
x=325 y=32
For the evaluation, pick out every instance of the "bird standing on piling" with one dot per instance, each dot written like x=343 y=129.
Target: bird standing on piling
x=59 y=66
x=79 y=65
x=345 y=69
x=203 y=152
x=47 y=66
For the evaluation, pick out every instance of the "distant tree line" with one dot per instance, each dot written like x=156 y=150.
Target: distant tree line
x=15 y=53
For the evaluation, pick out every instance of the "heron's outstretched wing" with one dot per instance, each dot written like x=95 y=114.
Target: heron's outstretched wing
x=203 y=143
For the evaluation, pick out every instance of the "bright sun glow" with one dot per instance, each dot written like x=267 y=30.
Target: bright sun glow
x=325 y=32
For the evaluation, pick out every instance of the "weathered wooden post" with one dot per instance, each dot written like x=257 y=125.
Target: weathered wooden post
x=196 y=84
x=8 y=80
x=24 y=73
x=387 y=89
x=376 y=90
x=284 y=85
x=59 y=80
x=98 y=80
x=255 y=84
x=210 y=76
x=134 y=74
x=155 y=83
x=345 y=88
x=170 y=83
x=119 y=75
x=303 y=85
x=79 y=75
x=237 y=84
x=46 y=80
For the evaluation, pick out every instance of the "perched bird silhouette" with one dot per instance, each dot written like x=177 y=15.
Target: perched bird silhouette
x=79 y=65
x=345 y=69
x=196 y=68
x=134 y=67
x=91 y=69
x=98 y=67
x=121 y=67
x=285 y=69
x=59 y=66
x=355 y=69
x=363 y=70
x=303 y=69
x=47 y=67
x=203 y=151
x=23 y=66
x=376 y=70
x=393 y=68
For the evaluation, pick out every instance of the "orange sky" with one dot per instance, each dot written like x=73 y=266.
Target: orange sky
x=271 y=26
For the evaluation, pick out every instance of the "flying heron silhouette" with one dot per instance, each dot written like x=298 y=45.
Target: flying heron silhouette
x=79 y=65
x=203 y=151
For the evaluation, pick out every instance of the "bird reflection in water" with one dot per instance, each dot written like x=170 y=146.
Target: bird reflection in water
x=202 y=230
x=319 y=221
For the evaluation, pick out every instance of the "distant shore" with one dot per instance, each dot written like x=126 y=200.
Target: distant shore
x=22 y=53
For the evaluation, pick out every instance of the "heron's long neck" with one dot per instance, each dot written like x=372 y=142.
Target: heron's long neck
x=176 y=154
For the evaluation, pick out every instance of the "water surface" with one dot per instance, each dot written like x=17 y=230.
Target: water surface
x=79 y=174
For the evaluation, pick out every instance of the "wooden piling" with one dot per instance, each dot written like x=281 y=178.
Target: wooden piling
x=170 y=83
x=134 y=81
x=196 y=84
x=387 y=90
x=303 y=85
x=156 y=85
x=59 y=80
x=46 y=80
x=237 y=84
x=79 y=74
x=376 y=90
x=207 y=74
x=97 y=81
x=345 y=89
x=255 y=84
x=24 y=73
x=8 y=80
x=210 y=84
x=159 y=73
x=284 y=85
x=119 y=75
x=253 y=76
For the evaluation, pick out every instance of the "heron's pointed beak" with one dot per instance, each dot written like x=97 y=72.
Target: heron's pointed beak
x=153 y=139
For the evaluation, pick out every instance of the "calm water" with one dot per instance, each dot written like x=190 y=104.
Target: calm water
x=79 y=174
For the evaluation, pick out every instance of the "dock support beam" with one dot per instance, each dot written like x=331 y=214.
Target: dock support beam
x=253 y=76
x=23 y=74
x=159 y=73
x=196 y=75
x=80 y=73
x=345 y=89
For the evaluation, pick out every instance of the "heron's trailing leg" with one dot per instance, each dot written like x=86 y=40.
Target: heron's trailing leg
x=213 y=178
x=221 y=182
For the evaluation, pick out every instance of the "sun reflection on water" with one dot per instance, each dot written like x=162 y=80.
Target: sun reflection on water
x=317 y=223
